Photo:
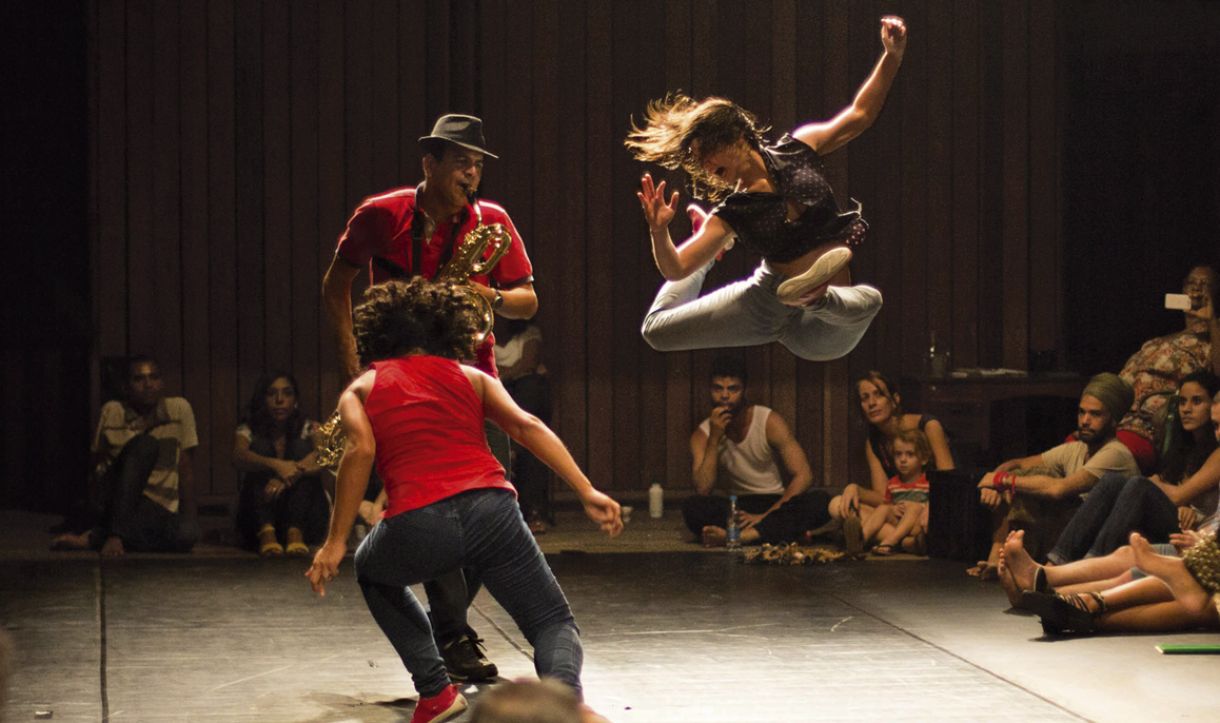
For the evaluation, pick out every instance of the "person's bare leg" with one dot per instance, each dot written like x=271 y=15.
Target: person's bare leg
x=906 y=524
x=1090 y=569
x=875 y=521
x=1159 y=618
x=718 y=536
x=1095 y=585
x=988 y=569
x=1172 y=570
x=70 y=541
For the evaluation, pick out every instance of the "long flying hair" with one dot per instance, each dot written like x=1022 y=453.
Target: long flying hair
x=673 y=123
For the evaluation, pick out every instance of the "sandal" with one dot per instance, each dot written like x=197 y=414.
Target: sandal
x=268 y=546
x=884 y=550
x=1065 y=614
x=296 y=546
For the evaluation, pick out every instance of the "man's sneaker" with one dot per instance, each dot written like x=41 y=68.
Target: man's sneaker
x=819 y=274
x=464 y=659
x=442 y=706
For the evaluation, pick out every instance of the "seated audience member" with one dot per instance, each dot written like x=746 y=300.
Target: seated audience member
x=900 y=522
x=881 y=407
x=1113 y=592
x=1181 y=593
x=282 y=505
x=1157 y=369
x=735 y=448
x=518 y=353
x=1158 y=506
x=145 y=498
x=1044 y=489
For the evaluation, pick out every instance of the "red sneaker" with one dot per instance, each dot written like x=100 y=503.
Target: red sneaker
x=442 y=706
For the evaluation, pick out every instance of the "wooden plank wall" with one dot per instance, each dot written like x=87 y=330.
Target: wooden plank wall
x=232 y=137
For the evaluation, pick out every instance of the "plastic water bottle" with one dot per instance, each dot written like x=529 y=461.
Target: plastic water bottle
x=656 y=501
x=733 y=538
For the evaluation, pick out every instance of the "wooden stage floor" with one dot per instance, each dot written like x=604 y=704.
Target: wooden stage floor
x=669 y=635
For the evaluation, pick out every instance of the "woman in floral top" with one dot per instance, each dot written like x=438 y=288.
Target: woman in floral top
x=1156 y=370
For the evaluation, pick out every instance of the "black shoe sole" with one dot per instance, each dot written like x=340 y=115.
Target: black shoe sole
x=1059 y=617
x=489 y=673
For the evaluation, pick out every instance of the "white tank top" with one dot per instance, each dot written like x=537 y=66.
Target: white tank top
x=749 y=468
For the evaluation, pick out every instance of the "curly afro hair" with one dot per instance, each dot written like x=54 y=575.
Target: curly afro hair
x=397 y=317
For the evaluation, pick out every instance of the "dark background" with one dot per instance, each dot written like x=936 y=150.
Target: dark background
x=177 y=174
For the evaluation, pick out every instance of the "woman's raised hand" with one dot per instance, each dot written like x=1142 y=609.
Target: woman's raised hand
x=894 y=35
x=657 y=211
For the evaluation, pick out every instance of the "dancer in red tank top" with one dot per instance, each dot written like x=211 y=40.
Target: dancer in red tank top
x=418 y=414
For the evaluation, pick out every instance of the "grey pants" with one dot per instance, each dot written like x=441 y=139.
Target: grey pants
x=747 y=313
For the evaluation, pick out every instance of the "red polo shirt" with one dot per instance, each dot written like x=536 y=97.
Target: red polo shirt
x=379 y=234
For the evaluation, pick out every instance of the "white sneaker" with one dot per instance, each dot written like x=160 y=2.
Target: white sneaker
x=819 y=273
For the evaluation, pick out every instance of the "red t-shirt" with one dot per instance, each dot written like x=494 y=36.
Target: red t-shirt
x=379 y=234
x=428 y=424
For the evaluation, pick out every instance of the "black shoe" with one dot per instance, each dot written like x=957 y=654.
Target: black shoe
x=1060 y=615
x=465 y=661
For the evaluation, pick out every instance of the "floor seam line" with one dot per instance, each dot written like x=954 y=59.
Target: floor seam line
x=952 y=654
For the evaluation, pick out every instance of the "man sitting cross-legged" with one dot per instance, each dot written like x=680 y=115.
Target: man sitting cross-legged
x=736 y=447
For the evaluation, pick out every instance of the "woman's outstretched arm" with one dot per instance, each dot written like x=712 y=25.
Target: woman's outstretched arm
x=677 y=262
x=828 y=136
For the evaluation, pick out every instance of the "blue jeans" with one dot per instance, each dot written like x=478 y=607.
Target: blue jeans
x=481 y=529
x=1115 y=507
x=748 y=313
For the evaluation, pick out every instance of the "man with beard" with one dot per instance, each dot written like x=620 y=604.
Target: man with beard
x=736 y=446
x=1042 y=491
x=413 y=231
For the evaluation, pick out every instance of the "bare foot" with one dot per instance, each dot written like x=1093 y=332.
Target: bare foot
x=1017 y=569
x=983 y=570
x=714 y=536
x=1171 y=570
x=113 y=547
x=69 y=541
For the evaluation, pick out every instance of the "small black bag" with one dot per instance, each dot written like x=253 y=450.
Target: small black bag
x=958 y=526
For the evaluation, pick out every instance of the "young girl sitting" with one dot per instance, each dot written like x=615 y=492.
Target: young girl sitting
x=901 y=522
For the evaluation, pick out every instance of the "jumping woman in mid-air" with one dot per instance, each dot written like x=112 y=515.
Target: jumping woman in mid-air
x=774 y=199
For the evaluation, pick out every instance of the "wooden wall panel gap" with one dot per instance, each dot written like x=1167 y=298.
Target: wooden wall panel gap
x=333 y=208
x=222 y=243
x=193 y=230
x=250 y=208
x=278 y=268
x=304 y=228
x=587 y=376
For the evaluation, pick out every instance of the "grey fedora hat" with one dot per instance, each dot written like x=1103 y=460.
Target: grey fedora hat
x=463 y=130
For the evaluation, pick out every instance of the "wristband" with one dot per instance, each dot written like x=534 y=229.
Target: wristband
x=497 y=302
x=1004 y=479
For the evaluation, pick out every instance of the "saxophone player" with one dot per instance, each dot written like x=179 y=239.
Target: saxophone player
x=413 y=231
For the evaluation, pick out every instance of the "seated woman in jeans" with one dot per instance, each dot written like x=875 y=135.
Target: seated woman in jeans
x=419 y=414
x=281 y=496
x=1156 y=506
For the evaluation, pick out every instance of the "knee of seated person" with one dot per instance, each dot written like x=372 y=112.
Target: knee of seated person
x=142 y=445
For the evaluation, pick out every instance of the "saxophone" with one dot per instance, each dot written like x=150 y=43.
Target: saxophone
x=467 y=261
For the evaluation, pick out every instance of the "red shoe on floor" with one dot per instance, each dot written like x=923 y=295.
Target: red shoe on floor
x=442 y=706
